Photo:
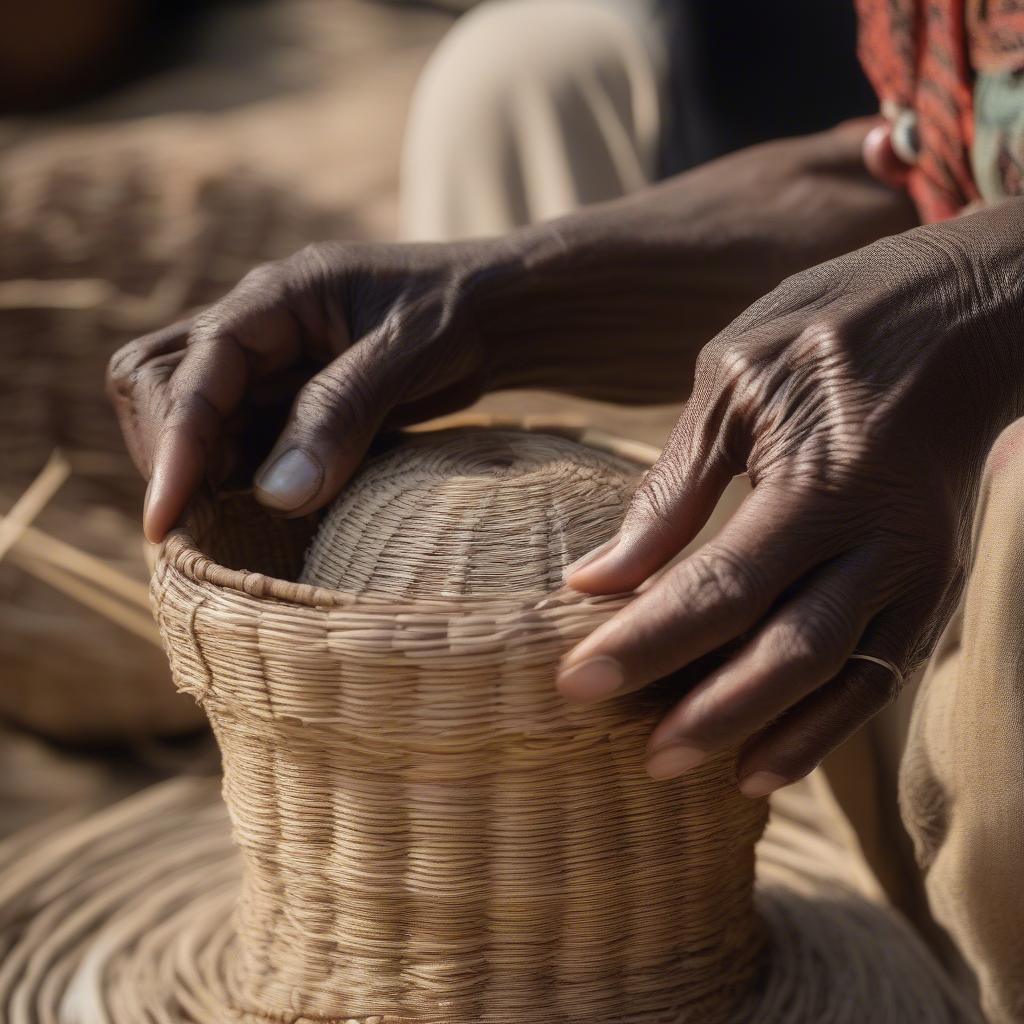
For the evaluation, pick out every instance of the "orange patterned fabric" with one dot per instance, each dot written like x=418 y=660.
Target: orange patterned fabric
x=995 y=31
x=921 y=57
x=915 y=54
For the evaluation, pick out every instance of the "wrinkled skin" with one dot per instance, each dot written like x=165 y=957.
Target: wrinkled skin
x=860 y=394
x=391 y=338
x=357 y=336
x=861 y=397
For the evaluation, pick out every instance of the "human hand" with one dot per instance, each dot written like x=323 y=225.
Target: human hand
x=354 y=336
x=861 y=398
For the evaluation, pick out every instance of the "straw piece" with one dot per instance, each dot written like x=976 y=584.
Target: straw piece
x=33 y=500
x=76 y=573
x=91 y=596
x=35 y=546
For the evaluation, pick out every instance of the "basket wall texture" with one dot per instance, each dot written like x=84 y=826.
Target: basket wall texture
x=427 y=831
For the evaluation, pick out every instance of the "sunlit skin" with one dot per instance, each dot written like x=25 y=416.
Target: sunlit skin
x=857 y=367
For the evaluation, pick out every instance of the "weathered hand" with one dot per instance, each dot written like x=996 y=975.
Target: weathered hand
x=356 y=336
x=352 y=335
x=861 y=397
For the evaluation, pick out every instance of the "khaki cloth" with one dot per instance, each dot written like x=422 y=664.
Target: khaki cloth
x=527 y=110
x=531 y=108
x=962 y=777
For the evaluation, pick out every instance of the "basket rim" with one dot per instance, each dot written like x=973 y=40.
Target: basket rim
x=179 y=553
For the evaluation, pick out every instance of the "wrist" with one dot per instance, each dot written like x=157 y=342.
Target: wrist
x=615 y=301
x=610 y=303
x=993 y=241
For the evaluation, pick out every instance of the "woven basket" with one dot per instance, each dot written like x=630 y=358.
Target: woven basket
x=428 y=832
x=422 y=830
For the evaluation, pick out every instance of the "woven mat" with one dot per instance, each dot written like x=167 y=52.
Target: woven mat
x=124 y=916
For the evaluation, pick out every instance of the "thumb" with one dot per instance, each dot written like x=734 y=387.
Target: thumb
x=332 y=422
x=674 y=500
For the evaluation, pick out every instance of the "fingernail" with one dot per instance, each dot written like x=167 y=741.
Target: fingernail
x=761 y=784
x=591 y=680
x=673 y=759
x=289 y=481
x=590 y=556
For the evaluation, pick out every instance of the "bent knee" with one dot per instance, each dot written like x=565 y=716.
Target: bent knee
x=504 y=50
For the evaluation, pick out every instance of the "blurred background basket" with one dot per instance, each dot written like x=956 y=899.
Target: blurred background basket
x=98 y=250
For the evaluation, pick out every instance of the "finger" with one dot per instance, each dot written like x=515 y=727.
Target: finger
x=672 y=503
x=331 y=425
x=799 y=648
x=706 y=600
x=796 y=744
x=251 y=333
x=203 y=393
x=137 y=377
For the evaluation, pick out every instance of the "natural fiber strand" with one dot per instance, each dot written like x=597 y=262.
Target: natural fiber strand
x=33 y=500
x=83 y=577
x=34 y=547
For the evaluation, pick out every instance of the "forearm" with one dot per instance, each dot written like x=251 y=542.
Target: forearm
x=615 y=301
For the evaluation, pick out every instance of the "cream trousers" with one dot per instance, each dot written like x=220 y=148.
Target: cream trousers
x=531 y=108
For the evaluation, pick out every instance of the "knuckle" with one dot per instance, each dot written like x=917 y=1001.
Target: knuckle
x=823 y=344
x=718 y=579
x=709 y=358
x=819 y=638
x=801 y=754
x=311 y=252
x=866 y=691
x=736 y=366
x=802 y=292
x=123 y=365
x=261 y=288
x=315 y=253
x=136 y=369
x=263 y=275
x=215 y=322
x=655 y=499
x=322 y=401
x=330 y=406
x=724 y=363
x=312 y=264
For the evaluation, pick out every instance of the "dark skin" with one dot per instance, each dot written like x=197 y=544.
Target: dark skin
x=860 y=391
